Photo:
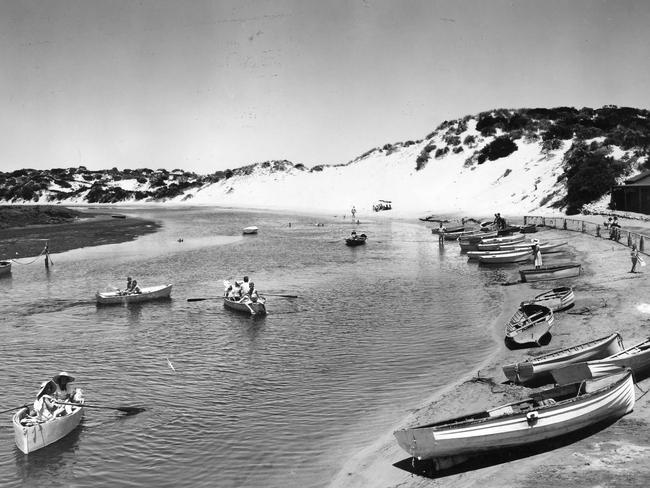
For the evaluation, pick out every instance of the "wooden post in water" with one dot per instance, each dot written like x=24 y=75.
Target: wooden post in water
x=641 y=244
x=629 y=239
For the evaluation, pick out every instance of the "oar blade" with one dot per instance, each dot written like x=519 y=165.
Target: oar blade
x=131 y=410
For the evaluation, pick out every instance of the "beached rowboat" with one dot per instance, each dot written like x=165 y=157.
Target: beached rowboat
x=557 y=299
x=506 y=257
x=530 y=325
x=33 y=435
x=5 y=267
x=253 y=308
x=636 y=358
x=146 y=294
x=552 y=272
x=451 y=229
x=545 y=248
x=495 y=243
x=537 y=371
x=545 y=415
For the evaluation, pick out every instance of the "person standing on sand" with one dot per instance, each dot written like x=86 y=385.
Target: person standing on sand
x=537 y=254
x=634 y=256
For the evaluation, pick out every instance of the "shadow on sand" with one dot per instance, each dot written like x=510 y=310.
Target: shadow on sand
x=428 y=467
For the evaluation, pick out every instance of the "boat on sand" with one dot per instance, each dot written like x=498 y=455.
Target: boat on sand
x=551 y=272
x=538 y=370
x=146 y=294
x=545 y=415
x=529 y=326
x=557 y=299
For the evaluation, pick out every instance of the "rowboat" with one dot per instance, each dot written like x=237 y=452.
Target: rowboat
x=557 y=299
x=528 y=229
x=551 y=272
x=451 y=229
x=530 y=325
x=5 y=267
x=545 y=248
x=31 y=434
x=636 y=358
x=537 y=370
x=474 y=255
x=250 y=230
x=471 y=242
x=495 y=243
x=506 y=257
x=146 y=294
x=253 y=308
x=545 y=415
x=356 y=240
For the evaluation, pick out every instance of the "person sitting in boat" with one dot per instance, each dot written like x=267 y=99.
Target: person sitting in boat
x=65 y=392
x=245 y=286
x=44 y=405
x=228 y=293
x=252 y=293
x=236 y=291
x=135 y=289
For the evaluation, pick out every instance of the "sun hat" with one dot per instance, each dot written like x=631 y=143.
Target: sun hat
x=46 y=387
x=62 y=374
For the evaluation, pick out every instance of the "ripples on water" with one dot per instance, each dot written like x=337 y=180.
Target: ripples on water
x=279 y=400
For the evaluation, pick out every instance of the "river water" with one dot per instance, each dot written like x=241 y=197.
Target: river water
x=235 y=401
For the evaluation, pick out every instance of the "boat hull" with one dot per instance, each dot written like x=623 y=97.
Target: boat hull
x=31 y=438
x=5 y=267
x=148 y=293
x=354 y=242
x=545 y=273
x=512 y=426
x=257 y=308
x=530 y=325
x=538 y=370
x=250 y=230
x=505 y=258
x=557 y=299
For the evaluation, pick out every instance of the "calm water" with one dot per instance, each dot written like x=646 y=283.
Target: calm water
x=254 y=402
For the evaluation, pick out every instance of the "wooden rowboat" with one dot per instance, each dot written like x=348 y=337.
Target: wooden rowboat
x=529 y=326
x=495 y=243
x=506 y=257
x=544 y=415
x=551 y=272
x=451 y=229
x=161 y=292
x=537 y=371
x=636 y=358
x=545 y=248
x=33 y=435
x=250 y=230
x=5 y=267
x=252 y=308
x=557 y=299
x=356 y=240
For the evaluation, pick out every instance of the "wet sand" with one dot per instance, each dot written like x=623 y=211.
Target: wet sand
x=85 y=228
x=608 y=299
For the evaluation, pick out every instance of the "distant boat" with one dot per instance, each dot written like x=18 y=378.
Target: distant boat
x=494 y=243
x=118 y=216
x=537 y=370
x=544 y=247
x=253 y=308
x=451 y=229
x=146 y=294
x=552 y=272
x=530 y=325
x=545 y=415
x=5 y=267
x=250 y=230
x=507 y=257
x=557 y=299
x=528 y=229
x=356 y=240
x=636 y=358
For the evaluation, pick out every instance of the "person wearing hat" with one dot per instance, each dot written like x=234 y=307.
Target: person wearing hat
x=44 y=405
x=65 y=392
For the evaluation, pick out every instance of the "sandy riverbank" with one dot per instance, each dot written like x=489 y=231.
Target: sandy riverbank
x=63 y=231
x=608 y=299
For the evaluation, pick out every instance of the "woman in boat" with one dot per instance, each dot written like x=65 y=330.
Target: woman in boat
x=537 y=254
x=44 y=405
x=135 y=289
x=64 y=392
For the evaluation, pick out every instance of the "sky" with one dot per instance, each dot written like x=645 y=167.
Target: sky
x=206 y=85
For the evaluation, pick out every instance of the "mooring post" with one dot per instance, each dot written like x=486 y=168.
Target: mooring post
x=641 y=244
x=598 y=231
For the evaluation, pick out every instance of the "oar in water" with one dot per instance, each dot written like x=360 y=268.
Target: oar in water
x=129 y=410
x=201 y=299
x=15 y=408
x=279 y=295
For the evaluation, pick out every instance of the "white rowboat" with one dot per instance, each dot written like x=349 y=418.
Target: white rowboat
x=146 y=294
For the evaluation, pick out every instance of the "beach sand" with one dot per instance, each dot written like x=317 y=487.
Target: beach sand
x=608 y=299
x=92 y=228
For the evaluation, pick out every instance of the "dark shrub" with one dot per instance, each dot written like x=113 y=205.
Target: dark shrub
x=500 y=147
x=440 y=152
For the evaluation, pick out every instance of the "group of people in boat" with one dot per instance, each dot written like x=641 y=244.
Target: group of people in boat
x=242 y=291
x=54 y=399
x=132 y=287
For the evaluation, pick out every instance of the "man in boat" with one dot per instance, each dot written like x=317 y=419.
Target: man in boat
x=252 y=293
x=245 y=286
x=135 y=289
x=65 y=392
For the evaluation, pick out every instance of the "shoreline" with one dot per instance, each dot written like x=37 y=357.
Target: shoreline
x=602 y=306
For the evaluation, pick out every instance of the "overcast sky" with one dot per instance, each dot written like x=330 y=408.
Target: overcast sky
x=205 y=85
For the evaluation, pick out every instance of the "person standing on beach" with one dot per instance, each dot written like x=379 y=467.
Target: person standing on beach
x=353 y=211
x=537 y=254
x=634 y=256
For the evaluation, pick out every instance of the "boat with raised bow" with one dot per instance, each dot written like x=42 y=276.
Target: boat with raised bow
x=557 y=299
x=529 y=326
x=537 y=370
x=544 y=415
x=5 y=267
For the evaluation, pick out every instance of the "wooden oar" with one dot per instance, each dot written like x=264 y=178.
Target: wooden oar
x=201 y=299
x=129 y=410
x=15 y=408
x=279 y=295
